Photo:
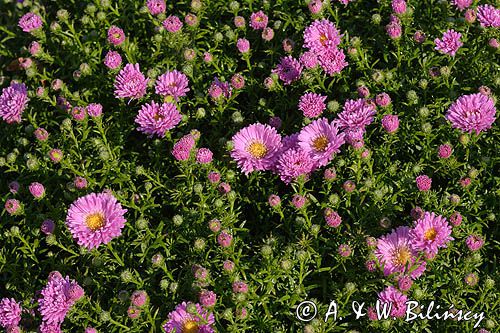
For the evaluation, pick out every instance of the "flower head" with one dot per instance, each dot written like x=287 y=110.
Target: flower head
x=332 y=61
x=30 y=21
x=424 y=183
x=430 y=233
x=321 y=140
x=390 y=123
x=116 y=36
x=321 y=36
x=256 y=147
x=182 y=148
x=293 y=163
x=13 y=101
x=356 y=114
x=488 y=16
x=10 y=312
x=312 y=105
x=95 y=219
x=112 y=59
x=172 y=24
x=180 y=320
x=258 y=20
x=390 y=296
x=472 y=113
x=172 y=83
x=156 y=7
x=461 y=4
x=449 y=43
x=130 y=82
x=289 y=70
x=155 y=119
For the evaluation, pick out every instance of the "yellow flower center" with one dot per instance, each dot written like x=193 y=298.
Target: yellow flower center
x=320 y=143
x=430 y=234
x=157 y=117
x=190 y=326
x=259 y=19
x=257 y=149
x=95 y=221
x=323 y=39
x=402 y=256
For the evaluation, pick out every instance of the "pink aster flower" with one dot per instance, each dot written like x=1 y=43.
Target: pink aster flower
x=344 y=250
x=298 y=201
x=57 y=297
x=95 y=219
x=309 y=59
x=237 y=81
x=180 y=320
x=456 y=219
x=390 y=123
x=48 y=227
x=424 y=183
x=243 y=45
x=172 y=83
x=312 y=105
x=29 y=22
x=41 y=134
x=219 y=90
x=49 y=328
x=445 y=150
x=239 y=21
x=214 y=177
x=332 y=218
x=461 y=4
x=399 y=6
x=94 y=110
x=225 y=239
x=274 y=200
x=10 y=312
x=332 y=61
x=488 y=16
x=13 y=206
x=472 y=113
x=354 y=136
x=208 y=298
x=383 y=99
x=449 y=43
x=156 y=7
x=430 y=233
x=267 y=34
x=356 y=114
x=56 y=155
x=130 y=82
x=182 y=148
x=470 y=16
x=474 y=242
x=258 y=20
x=321 y=36
x=240 y=287
x=394 y=300
x=172 y=24
x=315 y=6
x=293 y=163
x=321 y=140
x=116 y=36
x=155 y=119
x=394 y=30
x=396 y=254
x=139 y=298
x=37 y=190
x=204 y=156
x=289 y=70
x=256 y=147
x=13 y=101
x=112 y=60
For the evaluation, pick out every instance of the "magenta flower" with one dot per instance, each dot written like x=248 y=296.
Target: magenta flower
x=396 y=254
x=472 y=113
x=332 y=61
x=240 y=287
x=182 y=148
x=256 y=147
x=394 y=30
x=130 y=82
x=48 y=227
x=239 y=21
x=399 y=6
x=180 y=320
x=449 y=43
x=208 y=298
x=424 y=183
x=155 y=119
x=344 y=250
x=430 y=233
x=243 y=45
x=204 y=156
x=474 y=242
x=94 y=110
x=312 y=105
x=321 y=140
x=274 y=200
x=49 y=328
x=172 y=24
x=57 y=297
x=37 y=190
x=95 y=219
x=309 y=59
x=461 y=4
x=156 y=7
x=237 y=81
x=321 y=36
x=13 y=101
x=390 y=123
x=139 y=298
x=172 y=83
x=13 y=206
x=356 y=114
x=394 y=299
x=41 y=134
x=10 y=313
x=224 y=239
x=258 y=20
x=332 y=218
x=383 y=99
x=116 y=36
x=219 y=90
x=445 y=150
x=488 y=16
x=289 y=70
x=112 y=60
x=29 y=22
x=267 y=34
x=298 y=201
x=315 y=6
x=293 y=163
